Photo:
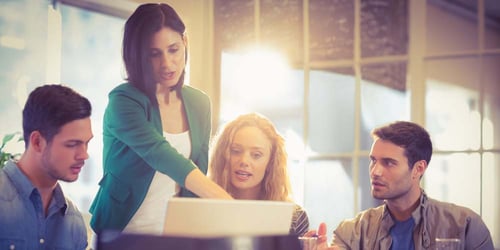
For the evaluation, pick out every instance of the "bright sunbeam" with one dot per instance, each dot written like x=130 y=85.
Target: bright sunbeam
x=260 y=70
x=259 y=77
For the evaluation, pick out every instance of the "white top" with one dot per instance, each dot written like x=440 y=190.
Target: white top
x=150 y=216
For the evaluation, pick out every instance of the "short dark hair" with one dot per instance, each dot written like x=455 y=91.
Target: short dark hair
x=140 y=27
x=51 y=106
x=412 y=137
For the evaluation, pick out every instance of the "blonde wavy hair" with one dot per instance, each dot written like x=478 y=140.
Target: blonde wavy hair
x=275 y=185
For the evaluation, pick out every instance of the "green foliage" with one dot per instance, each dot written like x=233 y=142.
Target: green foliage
x=5 y=156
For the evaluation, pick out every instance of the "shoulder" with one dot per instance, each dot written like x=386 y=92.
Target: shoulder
x=124 y=88
x=8 y=192
x=74 y=213
x=371 y=213
x=13 y=183
x=299 y=213
x=196 y=100
x=191 y=93
x=128 y=90
x=459 y=220
x=362 y=219
x=363 y=226
x=298 y=209
x=300 y=221
x=460 y=214
x=447 y=208
x=124 y=95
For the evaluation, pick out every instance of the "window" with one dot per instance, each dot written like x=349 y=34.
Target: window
x=23 y=42
x=91 y=63
x=42 y=44
x=361 y=64
x=336 y=89
x=462 y=105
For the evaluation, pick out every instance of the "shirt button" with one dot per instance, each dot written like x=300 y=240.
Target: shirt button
x=42 y=241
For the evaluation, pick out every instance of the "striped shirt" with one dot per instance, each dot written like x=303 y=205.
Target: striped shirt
x=300 y=222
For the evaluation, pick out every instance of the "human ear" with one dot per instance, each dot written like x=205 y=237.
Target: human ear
x=419 y=168
x=185 y=39
x=37 y=141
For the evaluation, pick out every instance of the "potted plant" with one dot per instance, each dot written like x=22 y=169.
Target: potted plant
x=5 y=156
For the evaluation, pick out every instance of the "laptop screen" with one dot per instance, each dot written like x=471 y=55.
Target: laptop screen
x=196 y=217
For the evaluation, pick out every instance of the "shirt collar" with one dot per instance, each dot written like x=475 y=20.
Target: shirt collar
x=26 y=188
x=419 y=211
x=19 y=180
x=418 y=216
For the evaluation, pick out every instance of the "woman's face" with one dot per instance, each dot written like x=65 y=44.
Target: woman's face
x=167 y=52
x=250 y=152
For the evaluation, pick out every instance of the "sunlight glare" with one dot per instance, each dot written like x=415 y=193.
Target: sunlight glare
x=261 y=71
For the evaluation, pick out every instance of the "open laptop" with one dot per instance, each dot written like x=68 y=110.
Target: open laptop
x=196 y=217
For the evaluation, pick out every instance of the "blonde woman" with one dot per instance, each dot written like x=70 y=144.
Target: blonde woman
x=248 y=160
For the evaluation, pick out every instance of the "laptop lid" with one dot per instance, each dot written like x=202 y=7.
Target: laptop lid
x=196 y=217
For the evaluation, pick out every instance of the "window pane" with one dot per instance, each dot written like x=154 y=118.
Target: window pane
x=331 y=111
x=233 y=23
x=384 y=27
x=452 y=103
x=331 y=27
x=451 y=26
x=492 y=24
x=281 y=27
x=23 y=60
x=383 y=97
x=92 y=65
x=491 y=120
x=446 y=175
x=366 y=199
x=328 y=192
x=490 y=197
x=276 y=91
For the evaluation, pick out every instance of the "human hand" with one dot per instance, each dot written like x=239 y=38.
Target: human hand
x=322 y=241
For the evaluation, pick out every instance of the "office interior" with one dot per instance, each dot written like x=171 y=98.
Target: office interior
x=325 y=72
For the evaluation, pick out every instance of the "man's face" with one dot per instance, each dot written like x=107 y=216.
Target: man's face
x=65 y=156
x=391 y=177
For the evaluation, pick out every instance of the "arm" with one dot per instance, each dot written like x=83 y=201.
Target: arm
x=322 y=242
x=132 y=122
x=300 y=221
x=198 y=112
x=477 y=235
x=133 y=137
x=201 y=185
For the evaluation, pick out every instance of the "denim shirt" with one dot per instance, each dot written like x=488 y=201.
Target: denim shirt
x=23 y=224
x=433 y=219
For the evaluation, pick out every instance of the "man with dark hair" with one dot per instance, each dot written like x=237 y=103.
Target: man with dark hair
x=408 y=219
x=34 y=213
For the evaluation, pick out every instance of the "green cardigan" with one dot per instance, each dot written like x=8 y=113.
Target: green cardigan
x=134 y=148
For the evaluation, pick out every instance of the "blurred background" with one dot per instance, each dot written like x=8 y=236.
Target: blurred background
x=325 y=72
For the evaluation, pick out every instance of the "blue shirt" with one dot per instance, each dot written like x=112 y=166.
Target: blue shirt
x=402 y=235
x=23 y=224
